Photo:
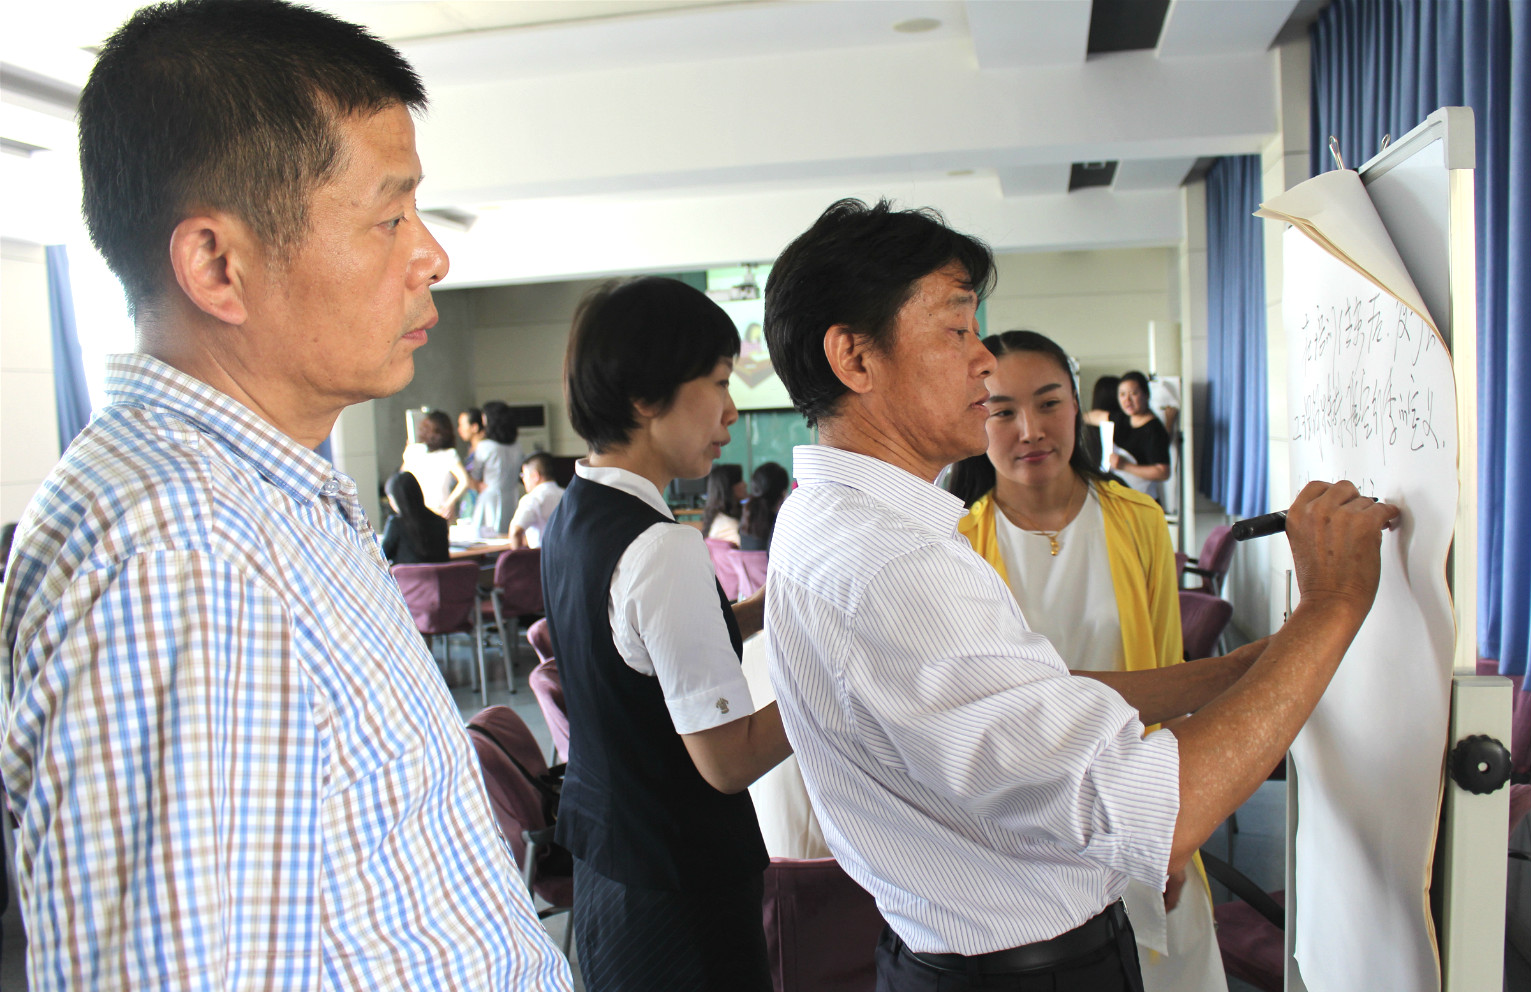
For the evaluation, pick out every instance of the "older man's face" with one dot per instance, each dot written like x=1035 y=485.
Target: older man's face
x=930 y=393
x=340 y=321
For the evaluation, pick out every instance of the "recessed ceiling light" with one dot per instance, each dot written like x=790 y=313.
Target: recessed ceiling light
x=917 y=25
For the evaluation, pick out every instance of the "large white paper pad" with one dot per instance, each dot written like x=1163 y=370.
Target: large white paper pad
x=1372 y=400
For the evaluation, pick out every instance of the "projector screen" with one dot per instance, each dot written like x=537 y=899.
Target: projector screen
x=755 y=385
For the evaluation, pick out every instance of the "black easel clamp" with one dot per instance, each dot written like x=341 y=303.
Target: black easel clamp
x=1480 y=764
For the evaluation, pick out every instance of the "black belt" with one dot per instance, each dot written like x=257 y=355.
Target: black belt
x=1092 y=935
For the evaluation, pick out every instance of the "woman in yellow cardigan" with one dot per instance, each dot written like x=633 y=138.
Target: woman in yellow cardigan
x=1090 y=563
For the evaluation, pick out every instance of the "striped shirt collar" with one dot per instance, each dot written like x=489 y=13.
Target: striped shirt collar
x=923 y=504
x=142 y=380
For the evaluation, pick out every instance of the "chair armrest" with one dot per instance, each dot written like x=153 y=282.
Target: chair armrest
x=1242 y=886
x=536 y=842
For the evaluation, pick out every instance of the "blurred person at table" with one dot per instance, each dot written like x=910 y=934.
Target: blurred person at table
x=1090 y=563
x=432 y=459
x=669 y=863
x=725 y=495
x=768 y=487
x=497 y=466
x=535 y=509
x=413 y=535
x=470 y=430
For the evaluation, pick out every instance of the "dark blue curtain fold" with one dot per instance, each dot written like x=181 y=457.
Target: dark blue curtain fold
x=1380 y=67
x=1235 y=440
x=71 y=398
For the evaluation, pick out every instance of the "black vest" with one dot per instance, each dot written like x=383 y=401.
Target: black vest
x=634 y=807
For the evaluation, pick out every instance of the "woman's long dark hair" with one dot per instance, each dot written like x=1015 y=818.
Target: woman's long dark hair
x=404 y=489
x=499 y=426
x=768 y=487
x=972 y=477
x=720 y=494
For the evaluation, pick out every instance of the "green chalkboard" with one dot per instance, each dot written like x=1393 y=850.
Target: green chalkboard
x=766 y=436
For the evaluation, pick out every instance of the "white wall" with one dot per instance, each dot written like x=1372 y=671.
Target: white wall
x=1096 y=304
x=518 y=348
x=28 y=422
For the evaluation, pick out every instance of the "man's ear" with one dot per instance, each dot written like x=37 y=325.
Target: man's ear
x=847 y=354
x=212 y=256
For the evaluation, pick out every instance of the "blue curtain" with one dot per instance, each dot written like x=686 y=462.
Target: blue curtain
x=70 y=396
x=1381 y=67
x=1235 y=439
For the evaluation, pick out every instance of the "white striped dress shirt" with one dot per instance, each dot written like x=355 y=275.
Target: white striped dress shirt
x=234 y=763
x=984 y=796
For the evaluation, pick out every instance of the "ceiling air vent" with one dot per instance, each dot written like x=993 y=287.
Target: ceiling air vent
x=1083 y=175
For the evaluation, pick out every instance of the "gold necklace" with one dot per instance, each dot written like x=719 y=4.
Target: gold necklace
x=1051 y=535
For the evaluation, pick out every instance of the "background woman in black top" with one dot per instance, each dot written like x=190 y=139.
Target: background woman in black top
x=413 y=535
x=1142 y=435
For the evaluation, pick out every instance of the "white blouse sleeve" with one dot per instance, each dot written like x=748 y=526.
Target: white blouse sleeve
x=667 y=621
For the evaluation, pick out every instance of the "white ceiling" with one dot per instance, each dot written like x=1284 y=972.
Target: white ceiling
x=594 y=136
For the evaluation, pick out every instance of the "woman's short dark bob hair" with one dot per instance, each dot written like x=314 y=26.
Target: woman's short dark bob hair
x=637 y=341
x=857 y=265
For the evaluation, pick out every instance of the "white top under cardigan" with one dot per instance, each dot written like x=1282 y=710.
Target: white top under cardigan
x=1069 y=598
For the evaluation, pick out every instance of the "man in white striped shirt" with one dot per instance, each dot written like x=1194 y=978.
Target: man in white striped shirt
x=233 y=763
x=993 y=804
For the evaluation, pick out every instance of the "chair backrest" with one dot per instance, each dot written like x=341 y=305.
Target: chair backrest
x=518 y=576
x=442 y=597
x=1202 y=619
x=548 y=688
x=1217 y=552
x=728 y=578
x=517 y=803
x=749 y=570
x=540 y=637
x=821 y=928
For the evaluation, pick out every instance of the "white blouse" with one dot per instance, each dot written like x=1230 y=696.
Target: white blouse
x=666 y=618
x=1070 y=599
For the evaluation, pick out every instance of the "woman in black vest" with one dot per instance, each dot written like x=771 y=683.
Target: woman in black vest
x=663 y=736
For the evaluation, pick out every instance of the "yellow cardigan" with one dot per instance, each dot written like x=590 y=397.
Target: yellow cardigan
x=1142 y=570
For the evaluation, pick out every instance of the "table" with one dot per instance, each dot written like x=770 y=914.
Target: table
x=480 y=549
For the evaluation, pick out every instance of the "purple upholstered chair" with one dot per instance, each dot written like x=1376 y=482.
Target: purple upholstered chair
x=517 y=595
x=1203 y=618
x=1213 y=562
x=444 y=599
x=749 y=571
x=724 y=566
x=499 y=734
x=821 y=928
x=548 y=688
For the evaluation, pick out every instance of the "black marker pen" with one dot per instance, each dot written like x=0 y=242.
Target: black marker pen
x=1264 y=525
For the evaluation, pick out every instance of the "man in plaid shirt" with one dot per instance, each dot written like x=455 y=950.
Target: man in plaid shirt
x=233 y=762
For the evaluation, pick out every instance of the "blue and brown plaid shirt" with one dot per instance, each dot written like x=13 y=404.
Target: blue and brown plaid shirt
x=234 y=764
